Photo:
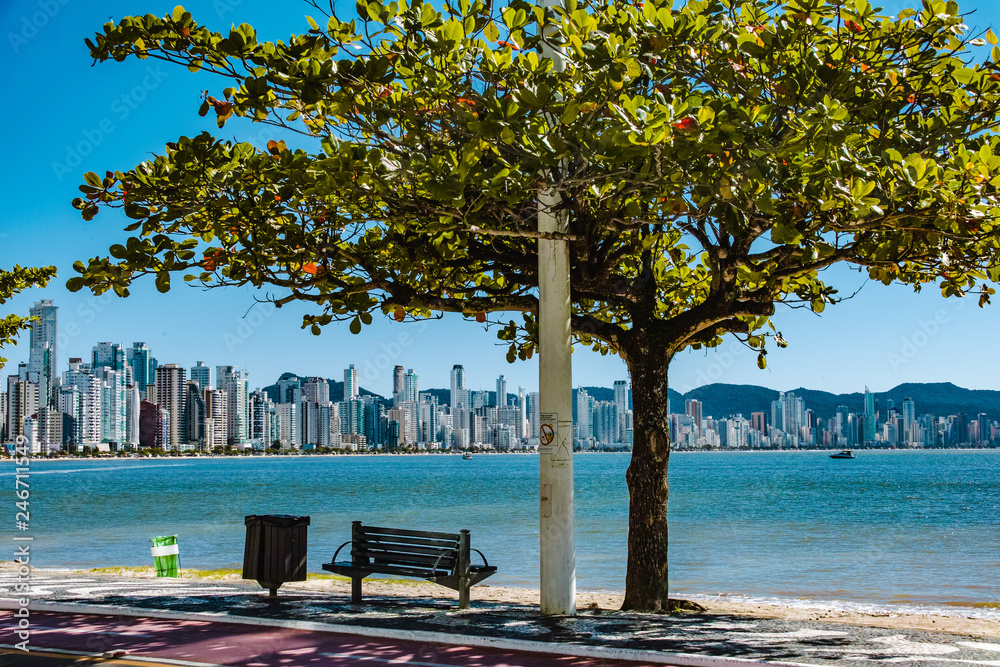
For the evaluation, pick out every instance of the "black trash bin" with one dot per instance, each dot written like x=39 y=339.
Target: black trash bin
x=275 y=549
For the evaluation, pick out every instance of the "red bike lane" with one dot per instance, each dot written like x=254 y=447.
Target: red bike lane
x=112 y=640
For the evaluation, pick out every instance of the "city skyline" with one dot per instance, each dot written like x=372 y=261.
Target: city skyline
x=883 y=337
x=100 y=404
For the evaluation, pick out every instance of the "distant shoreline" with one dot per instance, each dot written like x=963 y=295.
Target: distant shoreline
x=252 y=457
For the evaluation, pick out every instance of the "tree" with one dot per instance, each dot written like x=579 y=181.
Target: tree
x=713 y=160
x=13 y=282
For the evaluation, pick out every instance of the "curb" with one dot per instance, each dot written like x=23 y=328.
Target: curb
x=424 y=636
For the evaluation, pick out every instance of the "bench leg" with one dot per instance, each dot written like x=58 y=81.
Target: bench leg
x=355 y=590
x=463 y=593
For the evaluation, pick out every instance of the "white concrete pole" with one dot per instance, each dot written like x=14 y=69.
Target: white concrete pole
x=555 y=389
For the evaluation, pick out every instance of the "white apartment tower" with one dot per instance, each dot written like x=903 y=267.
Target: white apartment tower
x=350 y=382
x=202 y=374
x=411 y=387
x=43 y=359
x=234 y=382
x=459 y=395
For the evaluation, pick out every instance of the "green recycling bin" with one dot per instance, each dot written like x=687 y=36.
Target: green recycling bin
x=166 y=555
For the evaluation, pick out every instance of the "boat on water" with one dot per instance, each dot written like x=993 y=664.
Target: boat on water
x=467 y=455
x=845 y=454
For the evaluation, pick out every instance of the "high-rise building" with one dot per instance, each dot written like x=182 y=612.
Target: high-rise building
x=909 y=409
x=114 y=406
x=794 y=412
x=501 y=392
x=216 y=418
x=289 y=420
x=79 y=375
x=43 y=359
x=868 y=425
x=351 y=388
x=397 y=385
x=236 y=385
x=262 y=411
x=621 y=409
x=316 y=390
x=171 y=392
x=758 y=422
x=107 y=355
x=584 y=429
x=692 y=408
x=195 y=417
x=202 y=374
x=143 y=366
x=132 y=415
x=22 y=403
x=459 y=395
x=411 y=387
x=71 y=406
x=154 y=426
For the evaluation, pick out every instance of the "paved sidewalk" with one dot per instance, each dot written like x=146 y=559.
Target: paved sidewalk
x=681 y=639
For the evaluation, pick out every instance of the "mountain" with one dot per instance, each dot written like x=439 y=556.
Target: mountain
x=336 y=388
x=722 y=400
x=938 y=398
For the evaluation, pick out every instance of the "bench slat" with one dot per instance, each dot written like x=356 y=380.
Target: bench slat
x=444 y=563
x=410 y=533
x=415 y=541
x=347 y=569
x=408 y=548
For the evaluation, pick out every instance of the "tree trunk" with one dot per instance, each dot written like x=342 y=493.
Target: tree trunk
x=646 y=576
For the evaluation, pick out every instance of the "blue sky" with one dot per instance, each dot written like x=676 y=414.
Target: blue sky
x=64 y=117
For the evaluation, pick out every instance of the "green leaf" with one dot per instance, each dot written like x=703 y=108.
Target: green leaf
x=991 y=37
x=163 y=281
x=177 y=14
x=92 y=179
x=491 y=32
x=355 y=326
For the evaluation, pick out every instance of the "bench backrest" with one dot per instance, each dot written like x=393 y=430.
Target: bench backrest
x=436 y=553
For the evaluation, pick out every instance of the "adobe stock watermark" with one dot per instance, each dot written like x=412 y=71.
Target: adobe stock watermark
x=715 y=371
x=34 y=22
x=223 y=7
x=248 y=325
x=373 y=367
x=86 y=312
x=121 y=108
x=927 y=329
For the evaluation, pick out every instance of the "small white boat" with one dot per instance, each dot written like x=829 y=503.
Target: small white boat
x=467 y=455
x=844 y=454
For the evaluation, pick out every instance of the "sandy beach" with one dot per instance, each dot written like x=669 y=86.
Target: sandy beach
x=955 y=623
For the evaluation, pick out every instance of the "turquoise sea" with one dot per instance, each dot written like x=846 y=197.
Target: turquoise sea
x=890 y=529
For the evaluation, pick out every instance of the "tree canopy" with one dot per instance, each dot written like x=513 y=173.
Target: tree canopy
x=12 y=282
x=713 y=159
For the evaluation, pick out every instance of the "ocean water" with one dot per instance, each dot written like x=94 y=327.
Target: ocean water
x=890 y=529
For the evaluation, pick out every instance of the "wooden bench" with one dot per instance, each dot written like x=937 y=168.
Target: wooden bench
x=444 y=558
